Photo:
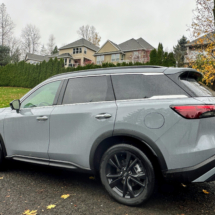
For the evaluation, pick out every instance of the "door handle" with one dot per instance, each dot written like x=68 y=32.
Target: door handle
x=42 y=118
x=103 y=116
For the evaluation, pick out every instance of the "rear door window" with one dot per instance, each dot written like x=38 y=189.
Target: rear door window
x=89 y=89
x=139 y=86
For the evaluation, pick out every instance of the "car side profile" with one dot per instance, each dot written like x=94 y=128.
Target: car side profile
x=125 y=123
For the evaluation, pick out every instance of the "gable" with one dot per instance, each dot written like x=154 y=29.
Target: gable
x=108 y=47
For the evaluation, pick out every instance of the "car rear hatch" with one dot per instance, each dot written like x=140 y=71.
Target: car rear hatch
x=192 y=82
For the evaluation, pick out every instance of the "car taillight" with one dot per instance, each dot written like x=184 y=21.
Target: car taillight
x=195 y=111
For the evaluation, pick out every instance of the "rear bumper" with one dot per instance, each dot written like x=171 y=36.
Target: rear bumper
x=202 y=172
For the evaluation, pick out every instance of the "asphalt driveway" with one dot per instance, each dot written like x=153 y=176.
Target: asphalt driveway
x=26 y=186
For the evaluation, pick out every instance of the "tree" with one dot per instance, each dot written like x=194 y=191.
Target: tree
x=153 y=57
x=43 y=50
x=89 y=33
x=51 y=44
x=160 y=53
x=30 y=39
x=4 y=55
x=180 y=51
x=6 y=25
x=15 y=50
x=55 y=51
x=171 y=60
x=203 y=24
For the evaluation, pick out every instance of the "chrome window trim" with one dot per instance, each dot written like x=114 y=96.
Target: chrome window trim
x=151 y=98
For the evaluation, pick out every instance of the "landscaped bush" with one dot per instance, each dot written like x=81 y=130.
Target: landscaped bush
x=28 y=75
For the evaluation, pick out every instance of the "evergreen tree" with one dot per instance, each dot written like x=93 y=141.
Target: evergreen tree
x=160 y=54
x=55 y=51
x=153 y=57
x=171 y=60
x=165 y=60
x=180 y=51
x=4 y=55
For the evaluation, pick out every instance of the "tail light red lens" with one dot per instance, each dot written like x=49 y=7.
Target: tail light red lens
x=195 y=111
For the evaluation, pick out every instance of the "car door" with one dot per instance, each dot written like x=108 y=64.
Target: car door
x=88 y=111
x=26 y=134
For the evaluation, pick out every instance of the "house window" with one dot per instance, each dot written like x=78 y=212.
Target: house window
x=115 y=57
x=65 y=61
x=85 y=50
x=100 y=59
x=69 y=61
x=135 y=54
x=77 y=50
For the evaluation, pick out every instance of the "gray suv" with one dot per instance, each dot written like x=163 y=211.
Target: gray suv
x=128 y=124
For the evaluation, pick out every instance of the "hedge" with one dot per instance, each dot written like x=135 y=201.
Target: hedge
x=28 y=75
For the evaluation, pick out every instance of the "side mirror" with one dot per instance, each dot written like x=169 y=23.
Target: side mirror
x=15 y=105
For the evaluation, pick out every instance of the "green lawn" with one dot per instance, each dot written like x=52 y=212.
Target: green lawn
x=8 y=94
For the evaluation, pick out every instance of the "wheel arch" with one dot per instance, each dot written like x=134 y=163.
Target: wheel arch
x=139 y=140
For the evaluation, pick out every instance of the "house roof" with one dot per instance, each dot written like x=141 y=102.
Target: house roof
x=117 y=46
x=112 y=52
x=65 y=55
x=206 y=39
x=81 y=42
x=144 y=44
x=30 y=56
x=129 y=45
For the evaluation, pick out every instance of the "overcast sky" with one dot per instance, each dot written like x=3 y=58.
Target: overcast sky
x=117 y=20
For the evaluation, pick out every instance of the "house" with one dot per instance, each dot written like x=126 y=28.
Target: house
x=197 y=46
x=34 y=58
x=80 y=52
x=129 y=51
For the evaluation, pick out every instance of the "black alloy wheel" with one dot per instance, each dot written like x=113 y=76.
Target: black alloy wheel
x=127 y=174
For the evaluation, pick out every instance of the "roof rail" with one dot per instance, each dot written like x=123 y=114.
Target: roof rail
x=108 y=68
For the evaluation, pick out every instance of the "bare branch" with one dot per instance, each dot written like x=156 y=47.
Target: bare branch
x=6 y=25
x=89 y=33
x=30 y=38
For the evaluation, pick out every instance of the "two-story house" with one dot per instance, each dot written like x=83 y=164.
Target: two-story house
x=129 y=51
x=197 y=46
x=80 y=52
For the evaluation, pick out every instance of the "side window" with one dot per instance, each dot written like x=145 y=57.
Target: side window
x=88 y=89
x=140 y=86
x=44 y=96
x=128 y=86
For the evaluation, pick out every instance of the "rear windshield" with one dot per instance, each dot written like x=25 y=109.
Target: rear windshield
x=193 y=81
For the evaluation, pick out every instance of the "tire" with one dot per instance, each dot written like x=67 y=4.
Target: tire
x=127 y=174
x=2 y=159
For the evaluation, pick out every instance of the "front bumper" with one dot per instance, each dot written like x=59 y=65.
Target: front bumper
x=202 y=172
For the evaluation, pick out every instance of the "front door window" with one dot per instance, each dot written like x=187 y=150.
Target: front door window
x=44 y=96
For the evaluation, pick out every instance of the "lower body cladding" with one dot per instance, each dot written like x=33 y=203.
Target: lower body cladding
x=202 y=172
x=49 y=162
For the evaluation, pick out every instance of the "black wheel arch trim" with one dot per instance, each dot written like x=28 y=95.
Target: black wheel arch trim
x=3 y=145
x=133 y=134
